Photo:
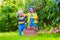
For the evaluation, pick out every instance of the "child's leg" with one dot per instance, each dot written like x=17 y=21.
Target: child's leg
x=24 y=27
x=30 y=24
x=35 y=25
x=19 y=30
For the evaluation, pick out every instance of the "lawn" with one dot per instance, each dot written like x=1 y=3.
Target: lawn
x=14 y=36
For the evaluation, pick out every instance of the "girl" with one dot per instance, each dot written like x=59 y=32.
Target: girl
x=32 y=18
x=21 y=22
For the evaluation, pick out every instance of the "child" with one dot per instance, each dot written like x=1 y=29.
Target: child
x=32 y=18
x=21 y=24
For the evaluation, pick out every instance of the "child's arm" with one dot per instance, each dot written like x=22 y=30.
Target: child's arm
x=26 y=14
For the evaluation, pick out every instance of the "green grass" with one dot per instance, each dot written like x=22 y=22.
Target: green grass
x=14 y=36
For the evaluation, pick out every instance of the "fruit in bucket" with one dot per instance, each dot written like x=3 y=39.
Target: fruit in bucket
x=30 y=28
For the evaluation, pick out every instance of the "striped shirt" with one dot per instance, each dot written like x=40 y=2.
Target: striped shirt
x=21 y=20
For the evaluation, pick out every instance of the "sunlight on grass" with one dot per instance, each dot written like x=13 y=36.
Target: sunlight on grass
x=14 y=36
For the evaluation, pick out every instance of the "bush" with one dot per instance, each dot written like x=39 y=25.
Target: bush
x=48 y=13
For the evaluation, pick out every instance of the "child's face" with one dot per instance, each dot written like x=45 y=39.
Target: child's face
x=20 y=13
x=31 y=10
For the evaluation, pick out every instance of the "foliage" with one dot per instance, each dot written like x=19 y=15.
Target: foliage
x=48 y=12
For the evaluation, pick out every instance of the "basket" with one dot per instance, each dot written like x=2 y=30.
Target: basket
x=30 y=32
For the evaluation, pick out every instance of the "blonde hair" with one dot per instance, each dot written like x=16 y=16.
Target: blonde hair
x=20 y=11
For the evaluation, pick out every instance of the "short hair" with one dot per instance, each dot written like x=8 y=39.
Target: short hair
x=20 y=11
x=32 y=8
